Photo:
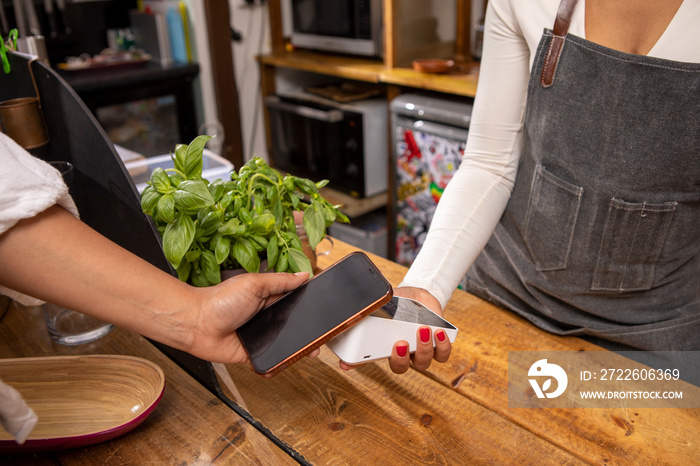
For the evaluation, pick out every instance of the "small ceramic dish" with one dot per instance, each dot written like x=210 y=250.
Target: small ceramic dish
x=433 y=65
x=81 y=400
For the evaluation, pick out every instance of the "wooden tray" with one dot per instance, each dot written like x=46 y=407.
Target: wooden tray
x=81 y=400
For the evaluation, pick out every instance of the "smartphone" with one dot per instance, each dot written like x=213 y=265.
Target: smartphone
x=374 y=337
x=307 y=317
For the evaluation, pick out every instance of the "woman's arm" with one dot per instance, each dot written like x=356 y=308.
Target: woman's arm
x=476 y=197
x=55 y=257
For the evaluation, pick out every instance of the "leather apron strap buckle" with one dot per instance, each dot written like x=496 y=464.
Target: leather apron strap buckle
x=561 y=28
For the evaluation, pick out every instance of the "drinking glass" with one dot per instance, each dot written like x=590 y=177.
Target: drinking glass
x=65 y=326
x=71 y=328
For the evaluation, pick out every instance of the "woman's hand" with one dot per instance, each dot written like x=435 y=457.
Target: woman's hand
x=400 y=359
x=225 y=307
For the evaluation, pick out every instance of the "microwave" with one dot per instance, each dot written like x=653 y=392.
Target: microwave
x=345 y=143
x=342 y=26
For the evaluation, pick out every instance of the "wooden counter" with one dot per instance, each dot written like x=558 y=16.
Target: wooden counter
x=454 y=413
x=457 y=412
x=189 y=425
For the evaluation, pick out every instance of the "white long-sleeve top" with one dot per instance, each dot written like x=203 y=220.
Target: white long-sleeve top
x=476 y=197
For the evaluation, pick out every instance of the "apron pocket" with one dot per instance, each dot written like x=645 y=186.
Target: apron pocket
x=550 y=219
x=633 y=237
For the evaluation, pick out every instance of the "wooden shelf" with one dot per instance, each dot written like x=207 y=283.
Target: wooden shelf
x=333 y=65
x=461 y=81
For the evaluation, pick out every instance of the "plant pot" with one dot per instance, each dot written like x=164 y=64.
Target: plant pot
x=226 y=274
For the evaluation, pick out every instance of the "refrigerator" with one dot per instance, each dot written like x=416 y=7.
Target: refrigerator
x=429 y=135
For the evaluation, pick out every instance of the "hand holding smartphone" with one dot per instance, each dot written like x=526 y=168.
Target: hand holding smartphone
x=307 y=317
x=374 y=337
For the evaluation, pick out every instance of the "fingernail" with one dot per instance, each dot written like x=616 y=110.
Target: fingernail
x=424 y=334
x=440 y=335
x=402 y=350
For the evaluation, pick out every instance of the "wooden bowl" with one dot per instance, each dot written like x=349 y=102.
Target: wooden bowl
x=81 y=400
x=433 y=65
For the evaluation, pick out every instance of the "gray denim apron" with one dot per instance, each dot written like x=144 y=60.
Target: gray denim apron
x=601 y=236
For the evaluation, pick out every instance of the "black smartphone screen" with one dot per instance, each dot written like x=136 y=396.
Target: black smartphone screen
x=408 y=310
x=310 y=312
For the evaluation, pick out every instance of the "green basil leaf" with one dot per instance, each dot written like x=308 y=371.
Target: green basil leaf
x=179 y=157
x=149 y=200
x=222 y=248
x=193 y=255
x=183 y=271
x=160 y=181
x=329 y=213
x=175 y=179
x=177 y=239
x=216 y=189
x=210 y=267
x=298 y=262
x=210 y=223
x=227 y=199
x=272 y=253
x=282 y=263
x=166 y=208
x=322 y=184
x=198 y=276
x=341 y=217
x=259 y=203
x=192 y=195
x=293 y=240
x=291 y=226
x=288 y=183
x=244 y=252
x=295 y=202
x=231 y=227
x=262 y=224
x=306 y=186
x=259 y=242
x=314 y=223
x=245 y=216
x=278 y=212
x=238 y=205
x=193 y=158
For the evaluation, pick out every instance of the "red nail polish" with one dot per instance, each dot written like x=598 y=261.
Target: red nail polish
x=440 y=335
x=402 y=350
x=424 y=334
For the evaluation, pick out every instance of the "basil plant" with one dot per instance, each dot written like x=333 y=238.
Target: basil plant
x=234 y=223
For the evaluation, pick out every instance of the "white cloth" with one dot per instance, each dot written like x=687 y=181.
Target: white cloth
x=476 y=197
x=15 y=416
x=28 y=186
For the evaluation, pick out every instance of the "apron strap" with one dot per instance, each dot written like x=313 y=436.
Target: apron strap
x=561 y=27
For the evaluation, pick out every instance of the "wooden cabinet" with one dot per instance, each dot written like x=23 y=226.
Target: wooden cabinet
x=395 y=68
x=394 y=74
